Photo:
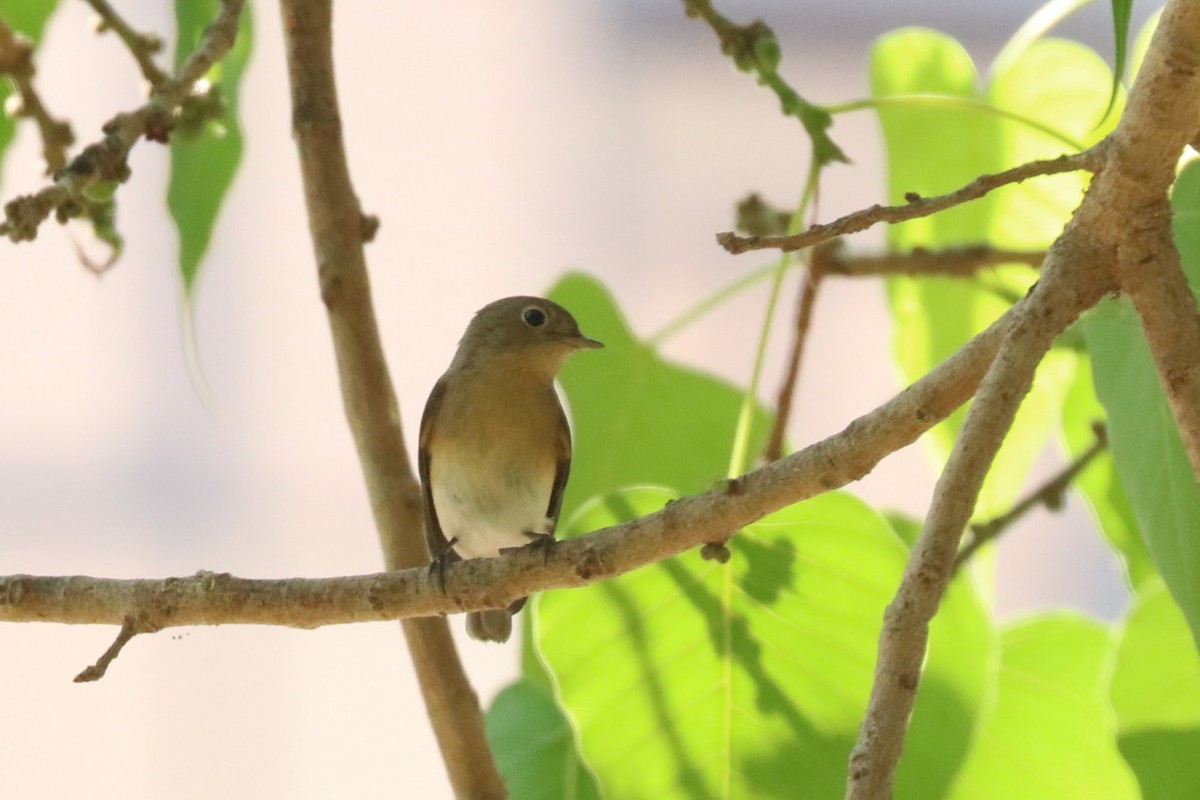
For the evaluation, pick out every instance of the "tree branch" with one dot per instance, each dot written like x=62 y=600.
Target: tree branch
x=108 y=159
x=215 y=599
x=804 y=310
x=16 y=61
x=141 y=46
x=1070 y=284
x=1049 y=494
x=917 y=207
x=1161 y=115
x=952 y=262
x=338 y=228
x=1163 y=112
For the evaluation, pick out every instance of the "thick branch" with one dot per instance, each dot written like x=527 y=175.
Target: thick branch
x=1162 y=115
x=214 y=599
x=1068 y=287
x=338 y=228
x=1142 y=151
x=916 y=208
x=107 y=160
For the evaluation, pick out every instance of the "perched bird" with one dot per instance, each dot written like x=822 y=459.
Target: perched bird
x=495 y=448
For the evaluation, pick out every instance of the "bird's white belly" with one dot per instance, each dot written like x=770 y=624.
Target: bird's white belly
x=497 y=507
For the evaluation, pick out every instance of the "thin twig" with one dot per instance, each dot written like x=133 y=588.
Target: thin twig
x=129 y=628
x=809 y=286
x=918 y=207
x=16 y=60
x=1050 y=494
x=108 y=159
x=142 y=46
x=953 y=262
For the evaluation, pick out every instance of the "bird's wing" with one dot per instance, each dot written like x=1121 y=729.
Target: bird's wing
x=434 y=538
x=562 y=446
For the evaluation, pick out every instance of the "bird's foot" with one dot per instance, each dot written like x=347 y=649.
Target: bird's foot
x=437 y=565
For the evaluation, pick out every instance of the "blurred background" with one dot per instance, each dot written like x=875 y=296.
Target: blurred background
x=500 y=144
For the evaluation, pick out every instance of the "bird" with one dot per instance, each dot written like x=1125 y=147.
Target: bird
x=495 y=447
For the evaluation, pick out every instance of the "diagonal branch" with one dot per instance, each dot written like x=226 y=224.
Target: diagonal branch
x=918 y=207
x=141 y=46
x=1091 y=254
x=1070 y=284
x=107 y=160
x=339 y=228
x=1049 y=494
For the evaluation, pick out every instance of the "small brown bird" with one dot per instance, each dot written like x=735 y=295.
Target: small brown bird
x=495 y=448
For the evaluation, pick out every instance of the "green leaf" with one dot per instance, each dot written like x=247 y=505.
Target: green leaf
x=690 y=678
x=1051 y=733
x=1099 y=483
x=28 y=18
x=534 y=747
x=1150 y=456
x=637 y=418
x=205 y=154
x=1122 y=10
x=1156 y=697
x=933 y=149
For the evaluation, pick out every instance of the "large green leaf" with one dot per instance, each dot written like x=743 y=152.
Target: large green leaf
x=1156 y=696
x=690 y=678
x=1150 y=456
x=638 y=418
x=1099 y=482
x=534 y=747
x=205 y=158
x=937 y=147
x=1051 y=733
x=28 y=18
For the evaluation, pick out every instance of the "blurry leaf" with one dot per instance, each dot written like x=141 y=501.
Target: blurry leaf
x=534 y=747
x=28 y=18
x=693 y=679
x=1150 y=456
x=1142 y=44
x=1156 y=697
x=1122 y=10
x=936 y=149
x=1051 y=733
x=205 y=157
x=637 y=418
x=1099 y=484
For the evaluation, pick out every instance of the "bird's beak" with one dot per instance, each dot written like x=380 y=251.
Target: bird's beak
x=588 y=344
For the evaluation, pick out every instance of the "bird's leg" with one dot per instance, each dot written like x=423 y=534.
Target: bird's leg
x=541 y=541
x=437 y=565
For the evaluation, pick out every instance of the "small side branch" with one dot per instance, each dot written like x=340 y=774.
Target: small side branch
x=108 y=159
x=16 y=61
x=916 y=208
x=142 y=46
x=804 y=312
x=952 y=262
x=1050 y=494
x=129 y=628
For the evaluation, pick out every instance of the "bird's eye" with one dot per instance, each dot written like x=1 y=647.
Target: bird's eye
x=534 y=317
